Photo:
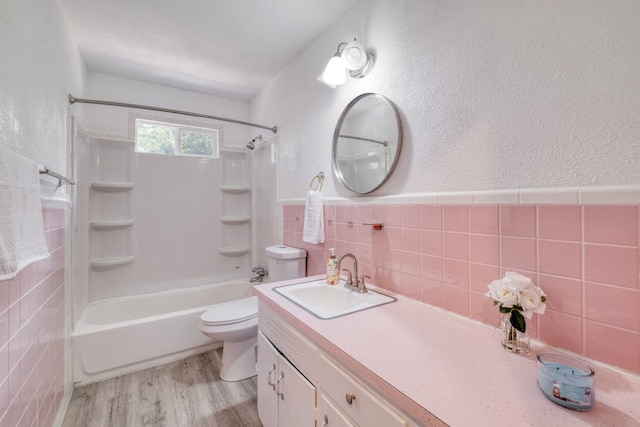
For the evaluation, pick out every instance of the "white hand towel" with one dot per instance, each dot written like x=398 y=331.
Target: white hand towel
x=22 y=239
x=313 y=231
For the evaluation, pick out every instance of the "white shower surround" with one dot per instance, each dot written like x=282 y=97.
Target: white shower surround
x=188 y=237
x=492 y=95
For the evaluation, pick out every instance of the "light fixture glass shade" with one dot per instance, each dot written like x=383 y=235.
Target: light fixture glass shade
x=334 y=73
x=354 y=56
x=351 y=58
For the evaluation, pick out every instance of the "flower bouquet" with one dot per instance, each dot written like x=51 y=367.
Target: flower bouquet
x=517 y=298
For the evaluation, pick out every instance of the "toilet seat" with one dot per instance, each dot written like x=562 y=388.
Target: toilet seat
x=231 y=312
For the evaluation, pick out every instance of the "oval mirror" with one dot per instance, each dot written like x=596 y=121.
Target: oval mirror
x=367 y=143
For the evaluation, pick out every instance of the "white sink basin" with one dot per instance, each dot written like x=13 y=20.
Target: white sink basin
x=329 y=301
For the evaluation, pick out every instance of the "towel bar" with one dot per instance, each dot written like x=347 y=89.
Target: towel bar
x=46 y=171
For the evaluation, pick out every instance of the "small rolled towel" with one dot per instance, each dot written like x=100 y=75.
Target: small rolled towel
x=313 y=231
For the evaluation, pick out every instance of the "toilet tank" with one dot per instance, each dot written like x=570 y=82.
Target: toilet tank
x=285 y=262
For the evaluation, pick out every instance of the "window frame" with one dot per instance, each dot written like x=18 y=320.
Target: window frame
x=179 y=126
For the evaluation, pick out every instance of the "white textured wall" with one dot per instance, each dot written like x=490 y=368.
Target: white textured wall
x=115 y=120
x=493 y=95
x=39 y=66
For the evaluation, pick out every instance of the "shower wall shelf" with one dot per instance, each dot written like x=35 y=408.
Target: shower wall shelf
x=235 y=251
x=235 y=189
x=104 y=263
x=111 y=225
x=110 y=221
x=112 y=186
x=235 y=219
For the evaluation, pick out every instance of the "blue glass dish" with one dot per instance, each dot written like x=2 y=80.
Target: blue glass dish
x=566 y=381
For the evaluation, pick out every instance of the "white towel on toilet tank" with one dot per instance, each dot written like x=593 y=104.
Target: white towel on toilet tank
x=22 y=239
x=313 y=231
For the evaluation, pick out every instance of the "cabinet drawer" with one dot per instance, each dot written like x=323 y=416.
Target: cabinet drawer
x=366 y=408
x=329 y=415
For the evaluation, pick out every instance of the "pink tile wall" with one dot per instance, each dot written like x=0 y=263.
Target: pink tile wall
x=32 y=335
x=586 y=258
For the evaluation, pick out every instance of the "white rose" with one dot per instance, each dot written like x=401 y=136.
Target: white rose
x=531 y=301
x=502 y=292
x=517 y=281
x=494 y=290
x=508 y=296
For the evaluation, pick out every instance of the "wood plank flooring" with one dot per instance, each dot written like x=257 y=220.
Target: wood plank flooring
x=186 y=393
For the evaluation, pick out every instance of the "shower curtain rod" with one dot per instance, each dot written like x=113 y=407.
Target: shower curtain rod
x=73 y=100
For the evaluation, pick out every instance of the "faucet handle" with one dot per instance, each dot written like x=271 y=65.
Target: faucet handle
x=349 y=277
x=361 y=283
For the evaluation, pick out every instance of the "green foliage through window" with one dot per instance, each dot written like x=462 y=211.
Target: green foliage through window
x=167 y=138
x=197 y=143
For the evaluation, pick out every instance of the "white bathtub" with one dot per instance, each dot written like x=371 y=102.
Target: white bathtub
x=122 y=335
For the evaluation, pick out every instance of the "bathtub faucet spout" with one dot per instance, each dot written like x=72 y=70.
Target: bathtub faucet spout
x=260 y=271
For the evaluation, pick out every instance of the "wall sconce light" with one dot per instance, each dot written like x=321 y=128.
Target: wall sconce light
x=349 y=58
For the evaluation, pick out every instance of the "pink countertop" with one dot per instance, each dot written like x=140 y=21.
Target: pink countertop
x=430 y=362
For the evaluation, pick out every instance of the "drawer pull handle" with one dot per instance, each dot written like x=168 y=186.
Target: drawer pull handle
x=325 y=423
x=350 y=398
x=272 y=384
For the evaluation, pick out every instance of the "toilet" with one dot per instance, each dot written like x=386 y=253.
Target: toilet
x=236 y=322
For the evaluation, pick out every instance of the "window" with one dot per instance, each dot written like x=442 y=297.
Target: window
x=179 y=140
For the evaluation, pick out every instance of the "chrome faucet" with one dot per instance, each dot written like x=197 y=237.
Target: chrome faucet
x=360 y=285
x=260 y=271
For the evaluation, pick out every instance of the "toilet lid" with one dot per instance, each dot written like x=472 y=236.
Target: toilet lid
x=231 y=311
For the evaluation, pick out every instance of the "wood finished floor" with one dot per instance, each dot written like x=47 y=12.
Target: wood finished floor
x=186 y=393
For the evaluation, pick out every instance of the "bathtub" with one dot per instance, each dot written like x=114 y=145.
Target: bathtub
x=122 y=335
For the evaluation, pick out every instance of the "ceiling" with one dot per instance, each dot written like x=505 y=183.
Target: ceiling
x=230 y=48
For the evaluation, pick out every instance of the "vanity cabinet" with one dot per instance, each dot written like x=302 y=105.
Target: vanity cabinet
x=299 y=385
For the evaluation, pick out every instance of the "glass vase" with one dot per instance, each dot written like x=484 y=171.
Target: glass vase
x=514 y=340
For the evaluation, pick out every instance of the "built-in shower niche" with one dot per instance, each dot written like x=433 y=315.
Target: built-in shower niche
x=236 y=202
x=109 y=244
x=110 y=203
x=111 y=161
x=236 y=169
x=235 y=207
x=236 y=238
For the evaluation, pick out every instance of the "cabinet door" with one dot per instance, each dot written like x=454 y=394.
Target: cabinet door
x=297 y=397
x=267 y=374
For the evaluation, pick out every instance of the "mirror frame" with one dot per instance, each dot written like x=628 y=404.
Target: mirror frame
x=336 y=135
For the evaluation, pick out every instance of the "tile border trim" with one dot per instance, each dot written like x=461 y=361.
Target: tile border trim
x=606 y=195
